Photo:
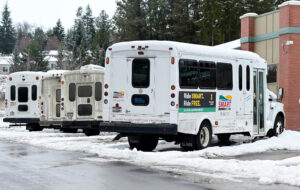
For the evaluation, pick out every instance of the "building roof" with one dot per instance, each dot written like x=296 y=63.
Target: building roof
x=6 y=60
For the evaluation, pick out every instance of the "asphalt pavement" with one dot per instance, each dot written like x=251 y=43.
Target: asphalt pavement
x=28 y=168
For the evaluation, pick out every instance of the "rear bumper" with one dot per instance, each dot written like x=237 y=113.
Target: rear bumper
x=136 y=128
x=21 y=120
x=81 y=124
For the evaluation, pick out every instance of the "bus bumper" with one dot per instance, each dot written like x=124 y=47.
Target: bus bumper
x=86 y=124
x=21 y=120
x=136 y=128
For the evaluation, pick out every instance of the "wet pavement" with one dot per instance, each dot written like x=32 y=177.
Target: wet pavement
x=28 y=167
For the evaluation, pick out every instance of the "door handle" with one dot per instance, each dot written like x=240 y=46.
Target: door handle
x=88 y=100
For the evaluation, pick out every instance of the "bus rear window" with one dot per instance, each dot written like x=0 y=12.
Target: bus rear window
x=85 y=91
x=23 y=94
x=33 y=92
x=13 y=93
x=140 y=73
x=98 y=91
x=224 y=76
x=72 y=92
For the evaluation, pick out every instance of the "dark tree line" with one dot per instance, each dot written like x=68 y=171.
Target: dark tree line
x=194 y=21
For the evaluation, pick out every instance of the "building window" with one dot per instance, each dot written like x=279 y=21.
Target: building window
x=272 y=74
x=5 y=69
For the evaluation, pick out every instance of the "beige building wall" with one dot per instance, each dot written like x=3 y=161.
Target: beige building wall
x=266 y=26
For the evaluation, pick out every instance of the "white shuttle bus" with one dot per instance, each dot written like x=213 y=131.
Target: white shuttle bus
x=186 y=93
x=21 y=99
x=81 y=99
x=49 y=103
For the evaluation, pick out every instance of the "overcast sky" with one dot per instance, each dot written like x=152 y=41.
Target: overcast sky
x=46 y=12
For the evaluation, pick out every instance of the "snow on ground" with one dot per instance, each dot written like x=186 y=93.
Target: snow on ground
x=169 y=157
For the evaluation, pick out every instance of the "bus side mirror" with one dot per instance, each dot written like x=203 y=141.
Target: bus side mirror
x=280 y=93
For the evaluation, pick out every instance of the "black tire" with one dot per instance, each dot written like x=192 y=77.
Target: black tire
x=278 y=127
x=32 y=128
x=224 y=138
x=143 y=143
x=204 y=136
x=69 y=130
x=91 y=132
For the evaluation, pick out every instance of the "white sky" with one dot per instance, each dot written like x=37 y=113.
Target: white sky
x=45 y=13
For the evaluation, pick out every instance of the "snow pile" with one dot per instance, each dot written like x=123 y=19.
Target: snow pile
x=169 y=157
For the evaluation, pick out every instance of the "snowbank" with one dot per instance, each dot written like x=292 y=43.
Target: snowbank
x=169 y=157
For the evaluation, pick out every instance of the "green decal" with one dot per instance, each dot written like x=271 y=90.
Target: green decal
x=188 y=110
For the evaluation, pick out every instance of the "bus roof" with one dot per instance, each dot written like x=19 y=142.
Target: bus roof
x=188 y=49
x=53 y=74
x=27 y=73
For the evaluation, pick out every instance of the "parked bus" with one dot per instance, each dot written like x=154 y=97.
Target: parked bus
x=21 y=99
x=49 y=103
x=81 y=99
x=186 y=93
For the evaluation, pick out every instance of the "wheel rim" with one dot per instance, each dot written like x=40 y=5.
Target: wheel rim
x=204 y=136
x=279 y=127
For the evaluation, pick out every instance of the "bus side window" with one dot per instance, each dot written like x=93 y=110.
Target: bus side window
x=188 y=73
x=207 y=75
x=224 y=76
x=240 y=77
x=248 y=77
x=13 y=93
x=98 y=91
x=72 y=92
x=33 y=92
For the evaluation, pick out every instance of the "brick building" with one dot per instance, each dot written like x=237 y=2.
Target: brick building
x=275 y=36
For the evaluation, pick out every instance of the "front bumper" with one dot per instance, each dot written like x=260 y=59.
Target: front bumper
x=21 y=120
x=136 y=128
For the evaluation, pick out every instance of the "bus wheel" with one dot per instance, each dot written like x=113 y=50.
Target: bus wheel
x=91 y=132
x=224 y=138
x=143 y=143
x=278 y=126
x=204 y=136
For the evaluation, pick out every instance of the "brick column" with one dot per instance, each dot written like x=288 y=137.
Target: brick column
x=289 y=65
x=247 y=31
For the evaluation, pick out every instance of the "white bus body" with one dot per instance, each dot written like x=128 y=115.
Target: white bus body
x=172 y=90
x=21 y=99
x=81 y=94
x=50 y=98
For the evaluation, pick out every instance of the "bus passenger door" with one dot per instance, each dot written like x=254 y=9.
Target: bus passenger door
x=258 y=101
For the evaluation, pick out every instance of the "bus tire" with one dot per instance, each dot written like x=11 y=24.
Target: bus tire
x=31 y=127
x=91 y=132
x=278 y=127
x=204 y=136
x=143 y=143
x=224 y=138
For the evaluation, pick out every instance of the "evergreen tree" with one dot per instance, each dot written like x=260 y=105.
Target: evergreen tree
x=101 y=40
x=89 y=26
x=35 y=59
x=59 y=31
x=40 y=37
x=130 y=20
x=7 y=33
